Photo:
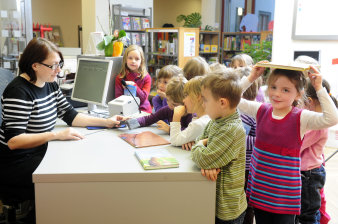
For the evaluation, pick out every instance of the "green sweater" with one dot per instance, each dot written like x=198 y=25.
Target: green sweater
x=225 y=150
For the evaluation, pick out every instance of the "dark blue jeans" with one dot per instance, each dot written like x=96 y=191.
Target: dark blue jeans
x=312 y=182
x=238 y=220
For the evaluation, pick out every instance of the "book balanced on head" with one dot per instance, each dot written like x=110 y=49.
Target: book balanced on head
x=288 y=66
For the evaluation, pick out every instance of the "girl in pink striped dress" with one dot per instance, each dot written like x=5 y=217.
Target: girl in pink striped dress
x=274 y=183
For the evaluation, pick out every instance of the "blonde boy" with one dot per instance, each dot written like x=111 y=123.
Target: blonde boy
x=221 y=147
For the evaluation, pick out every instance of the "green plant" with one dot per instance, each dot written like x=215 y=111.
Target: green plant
x=192 y=20
x=260 y=51
x=107 y=44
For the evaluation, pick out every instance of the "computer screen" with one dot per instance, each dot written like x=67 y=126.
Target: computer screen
x=92 y=81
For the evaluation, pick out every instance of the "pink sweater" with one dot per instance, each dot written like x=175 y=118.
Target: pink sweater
x=312 y=149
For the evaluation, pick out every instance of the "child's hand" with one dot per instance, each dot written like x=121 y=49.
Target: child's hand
x=188 y=146
x=179 y=112
x=204 y=142
x=211 y=174
x=163 y=126
x=256 y=72
x=316 y=78
x=161 y=94
x=130 y=83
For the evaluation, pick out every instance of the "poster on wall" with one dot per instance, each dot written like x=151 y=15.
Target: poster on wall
x=189 y=44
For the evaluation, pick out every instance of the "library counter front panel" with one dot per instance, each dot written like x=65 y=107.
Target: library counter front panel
x=99 y=180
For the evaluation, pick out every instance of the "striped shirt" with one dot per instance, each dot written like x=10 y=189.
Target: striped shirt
x=27 y=108
x=249 y=125
x=225 y=150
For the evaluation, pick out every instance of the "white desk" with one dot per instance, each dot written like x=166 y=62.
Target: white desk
x=99 y=180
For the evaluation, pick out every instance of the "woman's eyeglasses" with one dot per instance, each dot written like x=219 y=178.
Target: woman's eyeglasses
x=55 y=66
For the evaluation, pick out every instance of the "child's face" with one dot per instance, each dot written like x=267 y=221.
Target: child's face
x=211 y=105
x=189 y=104
x=237 y=64
x=162 y=84
x=171 y=103
x=133 y=60
x=282 y=93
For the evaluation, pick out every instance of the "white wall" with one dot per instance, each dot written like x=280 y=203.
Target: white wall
x=208 y=12
x=284 y=46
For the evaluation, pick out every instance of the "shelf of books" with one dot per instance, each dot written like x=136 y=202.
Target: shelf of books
x=134 y=21
x=170 y=46
x=233 y=43
x=209 y=45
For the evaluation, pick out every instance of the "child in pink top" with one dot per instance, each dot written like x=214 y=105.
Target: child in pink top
x=312 y=171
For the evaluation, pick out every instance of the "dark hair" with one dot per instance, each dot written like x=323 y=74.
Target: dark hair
x=296 y=77
x=37 y=50
x=311 y=92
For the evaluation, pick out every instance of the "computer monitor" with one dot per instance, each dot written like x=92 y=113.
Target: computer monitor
x=92 y=81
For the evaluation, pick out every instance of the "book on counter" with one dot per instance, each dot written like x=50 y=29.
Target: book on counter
x=156 y=159
x=291 y=66
x=144 y=139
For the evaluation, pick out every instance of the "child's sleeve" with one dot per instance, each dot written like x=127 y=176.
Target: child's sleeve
x=246 y=106
x=118 y=87
x=157 y=102
x=310 y=120
x=143 y=92
x=161 y=114
x=178 y=137
x=220 y=151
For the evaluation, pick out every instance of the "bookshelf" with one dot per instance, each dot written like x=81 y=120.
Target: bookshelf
x=134 y=21
x=173 y=46
x=210 y=45
x=233 y=43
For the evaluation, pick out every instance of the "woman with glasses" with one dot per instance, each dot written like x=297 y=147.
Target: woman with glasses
x=31 y=103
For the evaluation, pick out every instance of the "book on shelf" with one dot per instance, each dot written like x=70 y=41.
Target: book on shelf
x=156 y=159
x=136 y=21
x=145 y=23
x=291 y=66
x=144 y=139
x=213 y=48
x=126 y=23
x=136 y=39
x=143 y=39
x=129 y=39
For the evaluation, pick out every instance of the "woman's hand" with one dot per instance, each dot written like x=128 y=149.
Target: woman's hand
x=115 y=121
x=188 y=146
x=163 y=126
x=316 y=78
x=179 y=112
x=211 y=174
x=69 y=134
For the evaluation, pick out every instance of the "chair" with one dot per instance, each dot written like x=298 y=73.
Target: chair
x=6 y=77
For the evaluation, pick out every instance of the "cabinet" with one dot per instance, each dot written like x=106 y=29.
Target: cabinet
x=209 y=45
x=134 y=21
x=16 y=31
x=170 y=46
x=233 y=43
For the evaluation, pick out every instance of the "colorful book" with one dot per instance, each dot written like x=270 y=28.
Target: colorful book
x=143 y=39
x=136 y=39
x=145 y=23
x=156 y=159
x=291 y=66
x=136 y=21
x=126 y=23
x=144 y=139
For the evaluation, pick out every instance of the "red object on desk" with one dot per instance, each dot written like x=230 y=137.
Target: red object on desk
x=335 y=61
x=42 y=29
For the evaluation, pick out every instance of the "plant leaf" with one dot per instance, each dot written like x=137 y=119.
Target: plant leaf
x=122 y=33
x=107 y=39
x=100 y=46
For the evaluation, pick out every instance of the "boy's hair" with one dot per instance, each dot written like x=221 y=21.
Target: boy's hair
x=175 y=89
x=168 y=72
x=215 y=67
x=252 y=91
x=142 y=69
x=224 y=85
x=195 y=66
x=243 y=59
x=311 y=92
x=296 y=77
x=193 y=89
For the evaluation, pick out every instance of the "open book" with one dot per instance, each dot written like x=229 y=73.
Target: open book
x=156 y=159
x=144 y=139
x=291 y=66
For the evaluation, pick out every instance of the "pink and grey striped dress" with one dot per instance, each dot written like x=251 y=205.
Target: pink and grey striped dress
x=274 y=183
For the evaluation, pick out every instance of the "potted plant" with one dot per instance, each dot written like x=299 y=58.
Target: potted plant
x=192 y=20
